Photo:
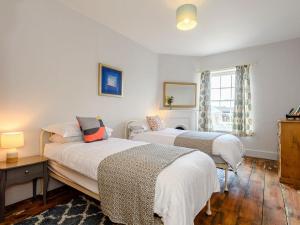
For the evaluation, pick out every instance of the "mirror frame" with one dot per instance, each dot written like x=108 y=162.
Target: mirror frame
x=179 y=83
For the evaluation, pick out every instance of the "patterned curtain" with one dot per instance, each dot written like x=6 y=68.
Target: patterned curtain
x=242 y=121
x=204 y=104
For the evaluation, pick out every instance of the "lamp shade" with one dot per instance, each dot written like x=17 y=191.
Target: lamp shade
x=12 y=140
x=186 y=17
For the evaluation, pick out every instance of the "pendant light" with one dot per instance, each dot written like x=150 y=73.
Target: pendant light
x=186 y=17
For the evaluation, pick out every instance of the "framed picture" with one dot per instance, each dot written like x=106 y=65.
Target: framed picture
x=110 y=81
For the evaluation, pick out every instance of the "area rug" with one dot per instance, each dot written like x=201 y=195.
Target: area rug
x=79 y=211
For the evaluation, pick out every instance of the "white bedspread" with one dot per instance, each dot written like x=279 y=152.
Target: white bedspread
x=227 y=146
x=182 y=188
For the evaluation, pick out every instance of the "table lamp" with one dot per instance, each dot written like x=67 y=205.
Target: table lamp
x=11 y=141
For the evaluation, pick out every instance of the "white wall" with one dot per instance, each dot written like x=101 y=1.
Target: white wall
x=48 y=73
x=275 y=83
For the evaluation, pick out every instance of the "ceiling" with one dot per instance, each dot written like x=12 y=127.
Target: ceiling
x=223 y=25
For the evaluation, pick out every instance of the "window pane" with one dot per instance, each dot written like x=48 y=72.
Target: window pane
x=226 y=81
x=215 y=103
x=226 y=94
x=215 y=94
x=232 y=105
x=233 y=80
x=232 y=93
x=215 y=82
x=225 y=104
x=222 y=99
x=221 y=118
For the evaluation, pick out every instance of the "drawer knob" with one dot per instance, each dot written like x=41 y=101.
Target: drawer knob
x=26 y=171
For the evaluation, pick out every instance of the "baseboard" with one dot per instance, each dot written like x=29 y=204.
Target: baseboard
x=262 y=154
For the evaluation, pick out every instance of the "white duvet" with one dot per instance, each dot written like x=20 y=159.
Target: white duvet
x=227 y=146
x=182 y=189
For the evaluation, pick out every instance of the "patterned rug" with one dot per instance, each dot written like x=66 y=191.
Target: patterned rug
x=80 y=210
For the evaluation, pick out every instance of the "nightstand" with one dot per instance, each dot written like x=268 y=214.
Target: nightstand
x=25 y=170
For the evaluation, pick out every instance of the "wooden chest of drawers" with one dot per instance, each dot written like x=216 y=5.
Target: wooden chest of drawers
x=289 y=152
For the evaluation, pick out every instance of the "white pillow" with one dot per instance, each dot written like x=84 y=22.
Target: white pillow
x=136 y=125
x=56 y=138
x=70 y=129
x=135 y=132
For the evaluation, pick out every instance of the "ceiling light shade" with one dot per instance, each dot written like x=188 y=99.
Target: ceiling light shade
x=186 y=17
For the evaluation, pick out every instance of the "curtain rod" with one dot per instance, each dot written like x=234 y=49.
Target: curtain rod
x=226 y=67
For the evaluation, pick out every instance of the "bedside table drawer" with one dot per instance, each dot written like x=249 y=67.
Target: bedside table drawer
x=24 y=174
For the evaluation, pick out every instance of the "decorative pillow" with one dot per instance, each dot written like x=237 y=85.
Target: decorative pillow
x=56 y=138
x=70 y=129
x=93 y=129
x=155 y=123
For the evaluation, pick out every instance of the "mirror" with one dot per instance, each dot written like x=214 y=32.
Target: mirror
x=184 y=94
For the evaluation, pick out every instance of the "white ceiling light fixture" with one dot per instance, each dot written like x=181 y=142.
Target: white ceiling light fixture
x=186 y=17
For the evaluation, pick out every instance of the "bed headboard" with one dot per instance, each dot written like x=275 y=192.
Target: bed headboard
x=44 y=138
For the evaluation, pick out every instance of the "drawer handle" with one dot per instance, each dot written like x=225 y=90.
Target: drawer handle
x=26 y=171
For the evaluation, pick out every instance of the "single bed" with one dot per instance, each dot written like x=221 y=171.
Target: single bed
x=227 y=149
x=182 y=188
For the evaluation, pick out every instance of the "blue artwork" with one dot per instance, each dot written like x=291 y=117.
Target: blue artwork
x=110 y=81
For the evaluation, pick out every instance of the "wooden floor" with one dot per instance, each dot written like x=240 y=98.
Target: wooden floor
x=255 y=197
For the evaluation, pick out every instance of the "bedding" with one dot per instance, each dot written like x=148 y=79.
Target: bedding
x=227 y=146
x=155 y=123
x=133 y=130
x=181 y=189
x=126 y=181
x=69 y=129
x=56 y=138
x=72 y=175
x=92 y=129
x=197 y=140
x=139 y=125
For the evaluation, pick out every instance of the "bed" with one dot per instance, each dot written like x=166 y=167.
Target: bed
x=227 y=149
x=182 y=189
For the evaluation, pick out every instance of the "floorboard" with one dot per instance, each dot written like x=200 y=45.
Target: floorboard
x=273 y=207
x=292 y=204
x=255 y=197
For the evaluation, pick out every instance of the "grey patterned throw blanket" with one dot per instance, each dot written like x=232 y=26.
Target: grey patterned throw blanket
x=197 y=140
x=127 y=180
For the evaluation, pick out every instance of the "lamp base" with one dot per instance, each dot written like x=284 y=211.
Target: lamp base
x=12 y=157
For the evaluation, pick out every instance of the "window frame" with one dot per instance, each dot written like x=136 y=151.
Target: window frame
x=218 y=73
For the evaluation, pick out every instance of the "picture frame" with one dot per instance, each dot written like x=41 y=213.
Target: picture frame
x=110 y=81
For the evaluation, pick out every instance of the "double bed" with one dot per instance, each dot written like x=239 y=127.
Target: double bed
x=182 y=189
x=227 y=150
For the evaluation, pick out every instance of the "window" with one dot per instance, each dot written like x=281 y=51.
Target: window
x=222 y=99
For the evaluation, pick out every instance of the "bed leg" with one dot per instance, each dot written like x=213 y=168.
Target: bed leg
x=208 y=210
x=226 y=179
